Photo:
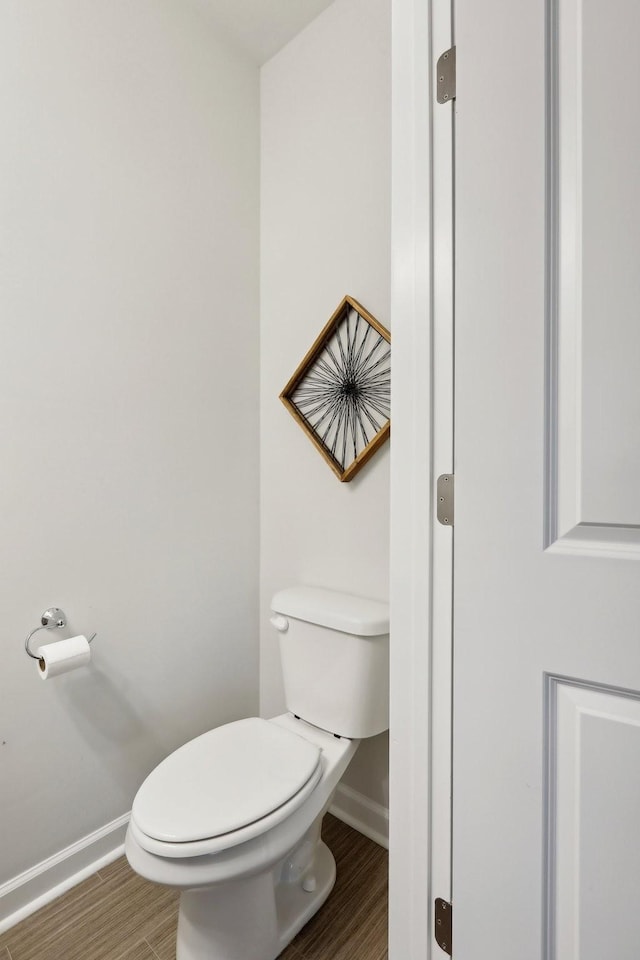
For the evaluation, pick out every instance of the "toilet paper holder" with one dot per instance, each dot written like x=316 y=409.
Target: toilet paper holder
x=51 y=619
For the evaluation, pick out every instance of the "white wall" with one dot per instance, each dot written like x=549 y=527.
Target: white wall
x=128 y=399
x=325 y=232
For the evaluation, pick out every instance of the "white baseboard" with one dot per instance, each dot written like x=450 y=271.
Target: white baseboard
x=34 y=888
x=362 y=814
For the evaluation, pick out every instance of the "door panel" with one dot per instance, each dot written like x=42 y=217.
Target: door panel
x=610 y=261
x=593 y=272
x=546 y=848
x=593 y=827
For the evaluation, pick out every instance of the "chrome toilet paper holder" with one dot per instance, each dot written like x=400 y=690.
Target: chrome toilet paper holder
x=51 y=619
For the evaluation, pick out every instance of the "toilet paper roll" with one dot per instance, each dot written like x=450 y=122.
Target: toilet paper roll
x=62 y=656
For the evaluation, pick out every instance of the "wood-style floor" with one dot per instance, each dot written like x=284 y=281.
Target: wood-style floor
x=116 y=915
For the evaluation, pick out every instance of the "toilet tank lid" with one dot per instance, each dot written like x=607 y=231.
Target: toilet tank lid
x=332 y=609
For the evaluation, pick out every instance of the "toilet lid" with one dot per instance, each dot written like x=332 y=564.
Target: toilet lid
x=224 y=780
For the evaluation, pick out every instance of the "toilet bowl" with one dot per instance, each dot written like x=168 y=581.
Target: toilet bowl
x=277 y=871
x=232 y=819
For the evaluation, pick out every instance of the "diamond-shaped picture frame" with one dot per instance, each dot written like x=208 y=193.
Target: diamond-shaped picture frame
x=341 y=392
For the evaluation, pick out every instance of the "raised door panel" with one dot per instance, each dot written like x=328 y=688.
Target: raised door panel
x=593 y=410
x=593 y=828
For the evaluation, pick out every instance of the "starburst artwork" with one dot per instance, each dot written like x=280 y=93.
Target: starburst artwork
x=341 y=392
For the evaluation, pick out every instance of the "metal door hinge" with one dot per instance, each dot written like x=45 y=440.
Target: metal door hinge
x=446 y=76
x=444 y=925
x=445 y=499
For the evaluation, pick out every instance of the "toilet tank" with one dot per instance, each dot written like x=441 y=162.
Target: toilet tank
x=334 y=649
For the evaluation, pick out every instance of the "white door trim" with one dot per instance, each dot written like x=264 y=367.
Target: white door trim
x=422 y=448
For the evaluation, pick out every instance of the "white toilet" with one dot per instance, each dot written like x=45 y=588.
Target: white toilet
x=233 y=818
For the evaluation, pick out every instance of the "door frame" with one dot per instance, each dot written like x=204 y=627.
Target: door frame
x=422 y=448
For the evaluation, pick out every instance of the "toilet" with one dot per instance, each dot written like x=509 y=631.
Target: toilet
x=232 y=819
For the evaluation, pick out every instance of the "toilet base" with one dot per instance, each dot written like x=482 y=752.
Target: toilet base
x=253 y=918
x=295 y=905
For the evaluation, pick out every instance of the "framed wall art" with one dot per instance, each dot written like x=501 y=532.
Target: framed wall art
x=341 y=392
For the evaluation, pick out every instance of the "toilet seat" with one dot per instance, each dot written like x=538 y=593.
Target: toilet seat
x=226 y=786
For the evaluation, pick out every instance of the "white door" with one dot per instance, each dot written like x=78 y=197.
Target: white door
x=546 y=756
